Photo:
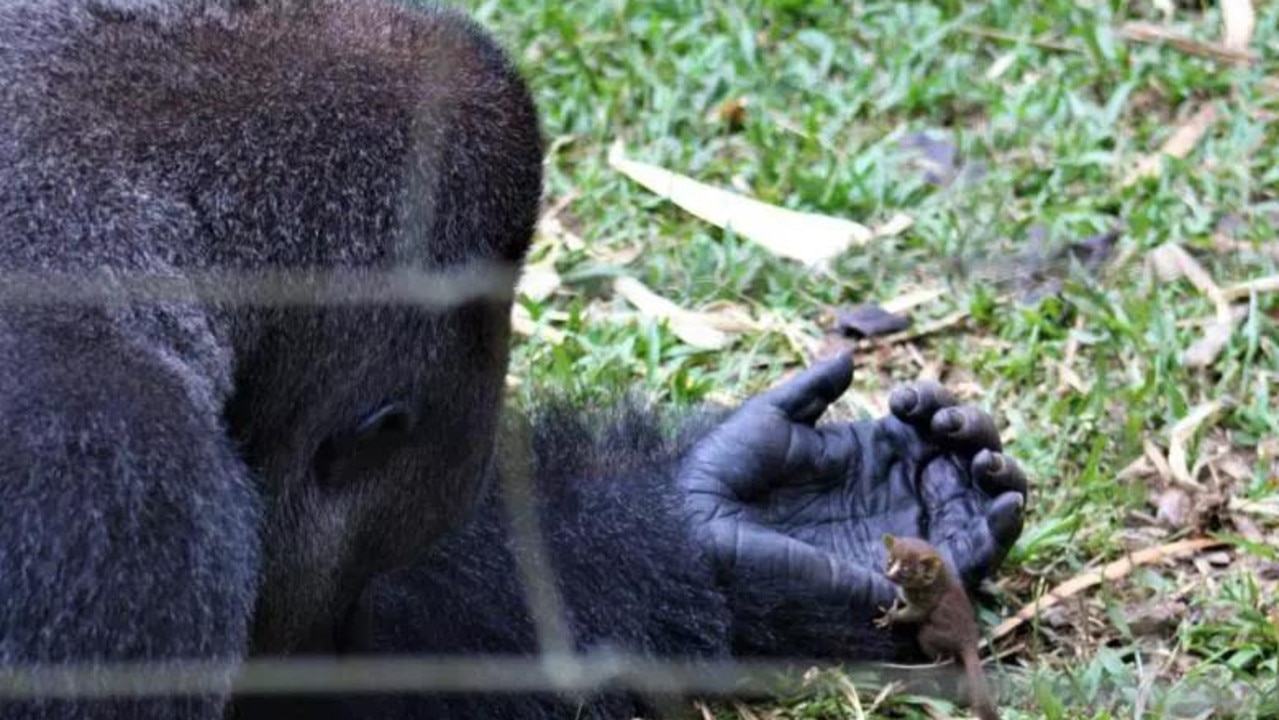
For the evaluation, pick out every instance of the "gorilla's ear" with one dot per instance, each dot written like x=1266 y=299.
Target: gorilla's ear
x=888 y=541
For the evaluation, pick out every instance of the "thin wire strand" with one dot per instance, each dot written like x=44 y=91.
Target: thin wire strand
x=532 y=560
x=433 y=290
x=582 y=673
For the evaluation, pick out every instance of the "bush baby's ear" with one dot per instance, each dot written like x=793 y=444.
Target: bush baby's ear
x=888 y=541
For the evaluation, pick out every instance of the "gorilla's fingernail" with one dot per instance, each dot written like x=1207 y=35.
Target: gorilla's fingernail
x=948 y=421
x=1005 y=517
x=996 y=464
x=903 y=401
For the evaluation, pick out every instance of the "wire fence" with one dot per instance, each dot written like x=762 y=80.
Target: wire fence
x=555 y=668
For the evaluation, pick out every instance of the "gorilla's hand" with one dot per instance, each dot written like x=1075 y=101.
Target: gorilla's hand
x=802 y=508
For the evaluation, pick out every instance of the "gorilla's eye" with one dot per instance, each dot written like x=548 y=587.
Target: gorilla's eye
x=376 y=432
x=391 y=419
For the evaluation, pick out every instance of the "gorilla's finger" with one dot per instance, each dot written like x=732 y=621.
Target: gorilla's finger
x=967 y=426
x=996 y=473
x=806 y=396
x=970 y=550
x=1005 y=518
x=916 y=404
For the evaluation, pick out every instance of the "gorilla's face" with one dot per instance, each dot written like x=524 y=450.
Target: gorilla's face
x=368 y=447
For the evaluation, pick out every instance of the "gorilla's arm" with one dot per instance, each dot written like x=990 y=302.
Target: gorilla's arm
x=653 y=560
x=630 y=574
x=128 y=529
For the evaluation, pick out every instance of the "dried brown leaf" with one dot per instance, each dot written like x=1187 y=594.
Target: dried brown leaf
x=538 y=282
x=1244 y=289
x=1109 y=573
x=1184 y=139
x=1225 y=243
x=1171 y=261
x=1246 y=528
x=807 y=237
x=1156 y=458
x=1135 y=470
x=1150 y=33
x=1001 y=65
x=1180 y=437
x=696 y=329
x=1175 y=508
x=731 y=112
x=1238 y=20
x=913 y=299
x=896 y=225
x=1155 y=618
x=552 y=228
x=1205 y=351
x=524 y=324
x=851 y=695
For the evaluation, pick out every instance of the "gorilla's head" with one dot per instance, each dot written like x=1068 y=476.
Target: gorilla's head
x=371 y=426
x=387 y=448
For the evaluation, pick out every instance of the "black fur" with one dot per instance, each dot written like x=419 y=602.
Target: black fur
x=626 y=567
x=630 y=573
x=158 y=461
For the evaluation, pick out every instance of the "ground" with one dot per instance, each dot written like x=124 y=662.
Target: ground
x=1141 y=396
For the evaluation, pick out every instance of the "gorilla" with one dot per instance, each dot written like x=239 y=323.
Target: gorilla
x=231 y=428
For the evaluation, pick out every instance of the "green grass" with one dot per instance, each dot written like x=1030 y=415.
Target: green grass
x=832 y=88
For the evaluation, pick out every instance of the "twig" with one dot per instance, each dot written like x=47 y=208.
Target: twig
x=1180 y=437
x=1258 y=286
x=1113 y=571
x=993 y=34
x=1149 y=33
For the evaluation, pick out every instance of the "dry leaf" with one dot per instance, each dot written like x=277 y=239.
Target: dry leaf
x=524 y=324
x=691 y=327
x=551 y=227
x=1111 y=572
x=1170 y=262
x=1265 y=508
x=1137 y=469
x=538 y=282
x=1151 y=33
x=896 y=225
x=1175 y=508
x=1157 y=459
x=913 y=299
x=1205 y=351
x=1246 y=528
x=807 y=237
x=1159 y=618
x=1178 y=145
x=1001 y=65
x=1068 y=378
x=731 y=112
x=1225 y=243
x=850 y=694
x=1182 y=433
x=1245 y=289
x=1238 y=20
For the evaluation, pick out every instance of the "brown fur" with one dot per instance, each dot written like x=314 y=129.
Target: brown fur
x=933 y=598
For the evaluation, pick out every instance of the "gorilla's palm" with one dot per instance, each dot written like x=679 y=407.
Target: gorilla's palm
x=804 y=507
